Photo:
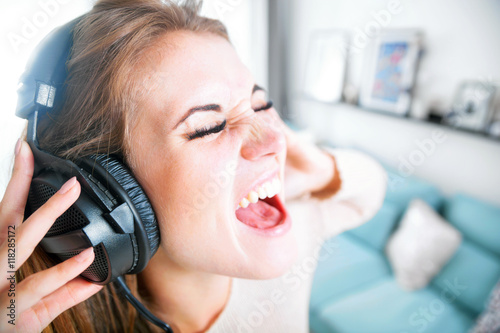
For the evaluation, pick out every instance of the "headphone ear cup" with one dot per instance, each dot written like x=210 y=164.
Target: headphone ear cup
x=123 y=175
x=82 y=225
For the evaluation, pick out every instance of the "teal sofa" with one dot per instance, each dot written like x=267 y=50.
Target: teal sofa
x=354 y=290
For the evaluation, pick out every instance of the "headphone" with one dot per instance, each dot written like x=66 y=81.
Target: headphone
x=113 y=213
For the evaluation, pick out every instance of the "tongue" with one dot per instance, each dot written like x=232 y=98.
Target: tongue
x=259 y=215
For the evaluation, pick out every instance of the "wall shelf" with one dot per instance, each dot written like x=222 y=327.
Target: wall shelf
x=456 y=160
x=424 y=122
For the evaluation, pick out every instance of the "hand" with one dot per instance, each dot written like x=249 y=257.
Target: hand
x=41 y=297
x=307 y=168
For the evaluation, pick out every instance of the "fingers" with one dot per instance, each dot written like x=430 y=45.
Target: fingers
x=14 y=200
x=35 y=287
x=29 y=234
x=42 y=296
x=69 y=295
x=36 y=226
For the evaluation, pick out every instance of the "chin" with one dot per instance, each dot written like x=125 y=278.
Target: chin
x=264 y=232
x=276 y=267
x=269 y=259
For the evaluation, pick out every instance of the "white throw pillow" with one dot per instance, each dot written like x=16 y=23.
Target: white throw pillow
x=421 y=246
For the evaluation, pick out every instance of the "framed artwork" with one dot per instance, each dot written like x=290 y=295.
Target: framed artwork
x=389 y=71
x=472 y=106
x=326 y=66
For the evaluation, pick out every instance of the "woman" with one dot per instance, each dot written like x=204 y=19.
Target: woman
x=164 y=88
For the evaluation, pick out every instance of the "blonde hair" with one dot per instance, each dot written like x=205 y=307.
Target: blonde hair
x=99 y=105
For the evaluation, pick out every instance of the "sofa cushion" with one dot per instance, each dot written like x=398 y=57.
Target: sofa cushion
x=421 y=246
x=469 y=276
x=376 y=231
x=477 y=220
x=385 y=307
x=401 y=190
x=351 y=266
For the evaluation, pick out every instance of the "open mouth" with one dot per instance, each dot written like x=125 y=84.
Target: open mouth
x=264 y=214
x=262 y=207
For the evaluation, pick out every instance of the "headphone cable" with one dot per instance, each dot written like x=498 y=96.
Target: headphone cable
x=125 y=291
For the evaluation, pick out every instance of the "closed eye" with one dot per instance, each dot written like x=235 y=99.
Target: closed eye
x=199 y=133
x=265 y=107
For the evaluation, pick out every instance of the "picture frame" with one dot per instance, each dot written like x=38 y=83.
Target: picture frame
x=326 y=65
x=389 y=71
x=472 y=107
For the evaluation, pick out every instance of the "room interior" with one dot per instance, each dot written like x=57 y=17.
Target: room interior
x=392 y=274
x=429 y=261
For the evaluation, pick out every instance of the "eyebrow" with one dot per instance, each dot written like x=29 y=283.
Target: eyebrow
x=210 y=107
x=257 y=88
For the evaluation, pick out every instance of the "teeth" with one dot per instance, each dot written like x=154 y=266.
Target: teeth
x=244 y=203
x=276 y=185
x=267 y=190
x=262 y=193
x=253 y=197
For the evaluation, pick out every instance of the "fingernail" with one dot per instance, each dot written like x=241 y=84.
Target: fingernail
x=67 y=186
x=18 y=147
x=82 y=256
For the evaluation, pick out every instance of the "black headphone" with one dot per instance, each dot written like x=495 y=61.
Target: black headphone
x=113 y=213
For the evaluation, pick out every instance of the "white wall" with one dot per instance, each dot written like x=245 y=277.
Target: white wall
x=24 y=23
x=454 y=161
x=246 y=21
x=463 y=42
x=462 y=38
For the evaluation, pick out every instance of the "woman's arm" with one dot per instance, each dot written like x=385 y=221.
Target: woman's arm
x=308 y=169
x=348 y=187
x=360 y=196
x=30 y=305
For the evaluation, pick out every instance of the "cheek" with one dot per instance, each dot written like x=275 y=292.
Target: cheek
x=202 y=176
x=190 y=189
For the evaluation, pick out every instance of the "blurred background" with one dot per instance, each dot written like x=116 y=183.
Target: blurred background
x=23 y=24
x=319 y=61
x=457 y=43
x=416 y=85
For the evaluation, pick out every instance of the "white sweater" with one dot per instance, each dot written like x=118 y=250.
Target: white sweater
x=282 y=304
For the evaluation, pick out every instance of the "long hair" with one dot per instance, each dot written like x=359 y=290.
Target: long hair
x=100 y=105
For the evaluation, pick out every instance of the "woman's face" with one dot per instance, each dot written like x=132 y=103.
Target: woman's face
x=198 y=148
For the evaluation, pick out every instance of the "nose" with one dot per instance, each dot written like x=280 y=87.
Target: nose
x=264 y=138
